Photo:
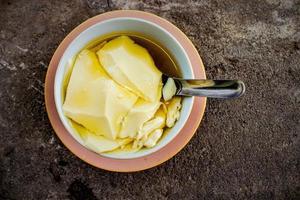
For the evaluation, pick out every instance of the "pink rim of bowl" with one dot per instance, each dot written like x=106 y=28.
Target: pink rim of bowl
x=147 y=161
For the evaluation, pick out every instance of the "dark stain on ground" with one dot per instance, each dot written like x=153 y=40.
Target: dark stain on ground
x=79 y=190
x=55 y=171
x=246 y=148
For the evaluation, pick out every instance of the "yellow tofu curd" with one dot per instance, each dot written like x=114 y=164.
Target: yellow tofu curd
x=114 y=98
x=131 y=66
x=94 y=100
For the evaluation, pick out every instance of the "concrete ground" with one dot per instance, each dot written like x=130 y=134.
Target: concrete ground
x=247 y=148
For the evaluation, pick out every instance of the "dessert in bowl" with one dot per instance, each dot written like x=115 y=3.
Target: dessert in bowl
x=106 y=125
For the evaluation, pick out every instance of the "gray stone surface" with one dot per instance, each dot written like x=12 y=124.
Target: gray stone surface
x=246 y=148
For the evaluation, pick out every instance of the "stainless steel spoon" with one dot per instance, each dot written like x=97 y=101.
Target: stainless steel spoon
x=189 y=87
x=207 y=88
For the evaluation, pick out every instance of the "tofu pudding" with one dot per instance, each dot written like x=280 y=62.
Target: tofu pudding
x=114 y=97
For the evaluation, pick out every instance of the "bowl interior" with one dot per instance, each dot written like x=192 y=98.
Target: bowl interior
x=125 y=24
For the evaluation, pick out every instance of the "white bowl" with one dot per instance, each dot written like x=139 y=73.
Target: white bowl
x=135 y=25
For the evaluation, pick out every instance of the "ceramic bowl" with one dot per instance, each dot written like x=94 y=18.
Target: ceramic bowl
x=150 y=26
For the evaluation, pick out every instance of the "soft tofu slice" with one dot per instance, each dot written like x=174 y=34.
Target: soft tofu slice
x=127 y=149
x=96 y=143
x=173 y=112
x=94 y=100
x=158 y=121
x=153 y=138
x=102 y=107
x=141 y=112
x=131 y=66
x=86 y=68
x=149 y=140
x=169 y=89
x=100 y=144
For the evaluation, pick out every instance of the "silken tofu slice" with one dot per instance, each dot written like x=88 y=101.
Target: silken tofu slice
x=96 y=143
x=95 y=101
x=141 y=112
x=131 y=66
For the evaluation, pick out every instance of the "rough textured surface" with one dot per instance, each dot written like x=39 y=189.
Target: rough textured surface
x=245 y=148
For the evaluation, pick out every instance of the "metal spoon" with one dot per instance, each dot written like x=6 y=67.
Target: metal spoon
x=189 y=87
x=207 y=88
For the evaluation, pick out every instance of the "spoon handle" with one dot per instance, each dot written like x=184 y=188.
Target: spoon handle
x=210 y=88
